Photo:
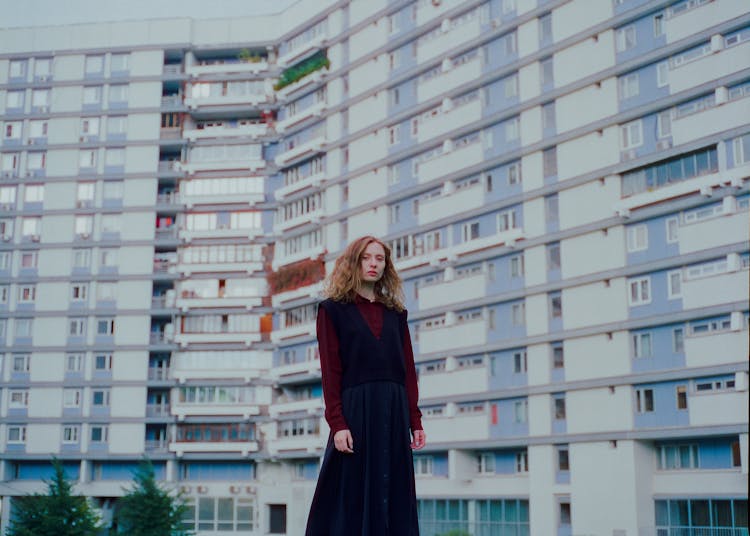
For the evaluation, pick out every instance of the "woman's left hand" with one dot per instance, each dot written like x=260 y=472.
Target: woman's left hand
x=418 y=439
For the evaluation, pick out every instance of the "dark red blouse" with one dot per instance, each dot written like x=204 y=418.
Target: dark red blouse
x=330 y=364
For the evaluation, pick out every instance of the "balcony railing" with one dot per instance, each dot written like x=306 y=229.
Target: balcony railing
x=157 y=410
x=156 y=445
x=171 y=101
x=158 y=373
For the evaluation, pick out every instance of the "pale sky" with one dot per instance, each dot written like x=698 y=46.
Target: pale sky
x=20 y=13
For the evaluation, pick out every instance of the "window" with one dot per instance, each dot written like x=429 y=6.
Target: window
x=640 y=291
x=512 y=131
x=38 y=128
x=71 y=398
x=36 y=161
x=89 y=126
x=119 y=62
x=520 y=411
x=741 y=146
x=92 y=95
x=486 y=463
x=74 y=363
x=510 y=85
x=545 y=28
x=520 y=362
x=680 y=456
x=546 y=72
x=105 y=326
x=558 y=356
x=87 y=158
x=42 y=68
x=625 y=38
x=16 y=434
x=40 y=99
x=631 y=135
x=100 y=398
x=81 y=258
x=555 y=305
x=673 y=225
x=99 y=433
x=17 y=68
x=559 y=406
x=106 y=291
x=94 y=64
x=118 y=93
x=664 y=124
x=111 y=223
x=548 y=116
x=108 y=258
x=629 y=86
x=26 y=294
x=15 y=99
x=549 y=162
x=103 y=362
x=79 y=291
x=674 y=279
x=24 y=327
x=514 y=173
x=522 y=462
x=423 y=465
x=77 y=327
x=565 y=514
x=518 y=314
x=394 y=214
x=506 y=220
x=563 y=461
x=117 y=126
x=18 y=398
x=394 y=135
x=20 y=363
x=470 y=231
x=553 y=257
x=516 y=266
x=644 y=400
x=678 y=340
x=70 y=434
x=637 y=239
x=642 y=345
x=552 y=208
x=681 y=393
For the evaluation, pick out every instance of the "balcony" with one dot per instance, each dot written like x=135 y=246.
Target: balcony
x=703 y=184
x=315 y=110
x=159 y=374
x=303 y=369
x=238 y=128
x=255 y=66
x=436 y=208
x=449 y=37
x=428 y=10
x=451 y=161
x=170 y=167
x=207 y=410
x=714 y=290
x=454 y=382
x=310 y=253
x=246 y=338
x=170 y=133
x=221 y=232
x=168 y=199
x=245 y=164
x=171 y=101
x=311 y=181
x=711 y=409
x=472 y=287
x=242 y=447
x=701 y=350
x=443 y=429
x=308 y=444
x=306 y=291
x=310 y=217
x=254 y=99
x=312 y=406
x=188 y=301
x=721 y=117
x=308 y=148
x=719 y=61
x=447 y=120
x=304 y=82
x=302 y=330
x=156 y=445
x=250 y=198
x=157 y=410
x=300 y=52
x=449 y=78
x=448 y=337
x=728 y=226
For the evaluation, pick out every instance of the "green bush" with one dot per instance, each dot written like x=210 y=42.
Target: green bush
x=302 y=69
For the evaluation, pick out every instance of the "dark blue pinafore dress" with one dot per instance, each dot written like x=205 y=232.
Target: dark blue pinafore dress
x=370 y=492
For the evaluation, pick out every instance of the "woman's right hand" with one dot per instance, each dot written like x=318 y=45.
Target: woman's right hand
x=343 y=441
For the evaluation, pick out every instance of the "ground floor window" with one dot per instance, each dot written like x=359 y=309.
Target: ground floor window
x=478 y=517
x=682 y=514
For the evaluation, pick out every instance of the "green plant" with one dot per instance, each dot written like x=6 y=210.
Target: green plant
x=302 y=69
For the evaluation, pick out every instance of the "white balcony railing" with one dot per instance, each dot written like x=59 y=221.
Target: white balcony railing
x=451 y=161
x=312 y=181
x=300 y=52
x=450 y=78
x=305 y=149
x=447 y=120
x=448 y=38
x=444 y=338
x=312 y=406
x=243 y=447
x=467 y=288
x=240 y=129
x=230 y=66
x=301 y=330
x=204 y=410
x=311 y=111
x=440 y=206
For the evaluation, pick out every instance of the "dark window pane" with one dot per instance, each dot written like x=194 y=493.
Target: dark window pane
x=699 y=515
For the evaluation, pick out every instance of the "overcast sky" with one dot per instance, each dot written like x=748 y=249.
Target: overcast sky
x=15 y=13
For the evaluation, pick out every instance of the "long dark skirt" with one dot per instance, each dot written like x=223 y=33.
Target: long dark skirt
x=370 y=492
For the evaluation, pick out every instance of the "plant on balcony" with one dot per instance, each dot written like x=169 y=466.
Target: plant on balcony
x=249 y=57
x=302 y=69
x=297 y=275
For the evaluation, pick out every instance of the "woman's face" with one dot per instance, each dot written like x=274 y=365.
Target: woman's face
x=373 y=262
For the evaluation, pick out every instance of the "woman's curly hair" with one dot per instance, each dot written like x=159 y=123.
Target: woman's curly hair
x=346 y=278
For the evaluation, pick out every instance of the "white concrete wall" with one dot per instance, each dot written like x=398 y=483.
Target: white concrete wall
x=594 y=303
x=576 y=252
x=597 y=356
x=598 y=410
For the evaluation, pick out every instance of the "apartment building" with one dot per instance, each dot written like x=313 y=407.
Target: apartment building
x=564 y=186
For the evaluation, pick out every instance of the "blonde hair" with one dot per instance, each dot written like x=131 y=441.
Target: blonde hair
x=346 y=278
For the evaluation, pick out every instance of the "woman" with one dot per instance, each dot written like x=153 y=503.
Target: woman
x=366 y=481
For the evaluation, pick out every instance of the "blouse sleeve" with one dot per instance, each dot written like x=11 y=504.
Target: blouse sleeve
x=330 y=366
x=412 y=389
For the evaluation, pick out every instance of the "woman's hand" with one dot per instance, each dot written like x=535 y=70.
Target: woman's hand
x=343 y=441
x=418 y=439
